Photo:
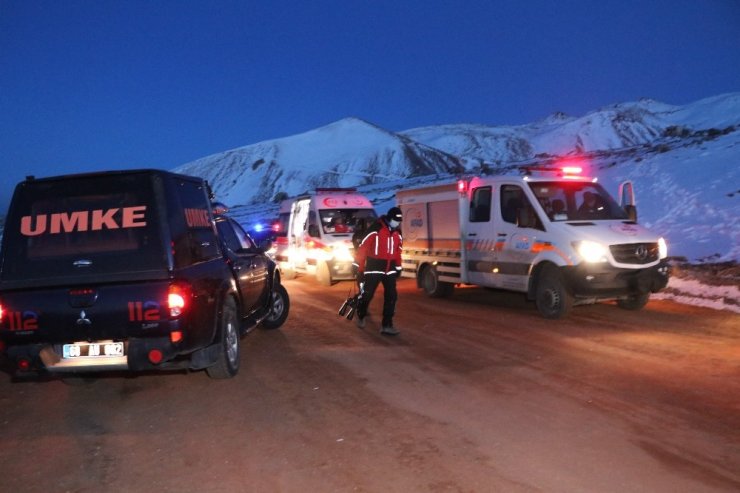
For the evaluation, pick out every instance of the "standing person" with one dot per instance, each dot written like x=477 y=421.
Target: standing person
x=379 y=261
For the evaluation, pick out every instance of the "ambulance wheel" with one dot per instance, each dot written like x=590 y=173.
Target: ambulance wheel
x=634 y=301
x=552 y=297
x=432 y=286
x=323 y=274
x=227 y=362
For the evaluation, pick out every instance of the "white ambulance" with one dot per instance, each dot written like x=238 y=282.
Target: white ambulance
x=314 y=233
x=551 y=233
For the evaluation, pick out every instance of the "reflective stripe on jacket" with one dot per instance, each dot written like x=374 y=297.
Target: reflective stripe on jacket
x=380 y=250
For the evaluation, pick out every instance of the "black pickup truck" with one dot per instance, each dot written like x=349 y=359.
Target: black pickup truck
x=129 y=270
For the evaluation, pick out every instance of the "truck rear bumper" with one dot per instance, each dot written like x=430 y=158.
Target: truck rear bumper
x=50 y=358
x=604 y=281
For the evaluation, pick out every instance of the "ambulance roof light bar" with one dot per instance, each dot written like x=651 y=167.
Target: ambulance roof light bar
x=567 y=172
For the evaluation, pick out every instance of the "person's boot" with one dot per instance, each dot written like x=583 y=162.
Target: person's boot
x=389 y=330
x=360 y=322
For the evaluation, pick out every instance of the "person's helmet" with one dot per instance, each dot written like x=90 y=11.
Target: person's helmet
x=394 y=214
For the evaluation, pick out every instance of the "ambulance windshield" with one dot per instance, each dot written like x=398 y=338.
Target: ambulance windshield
x=576 y=201
x=345 y=221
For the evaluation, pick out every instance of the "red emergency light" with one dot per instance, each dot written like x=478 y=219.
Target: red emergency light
x=572 y=170
x=462 y=186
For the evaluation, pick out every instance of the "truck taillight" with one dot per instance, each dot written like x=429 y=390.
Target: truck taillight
x=1 y=313
x=178 y=299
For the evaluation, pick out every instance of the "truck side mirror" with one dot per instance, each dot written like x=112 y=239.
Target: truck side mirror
x=631 y=211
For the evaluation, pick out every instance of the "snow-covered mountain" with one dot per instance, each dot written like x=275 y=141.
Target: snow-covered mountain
x=682 y=159
x=347 y=153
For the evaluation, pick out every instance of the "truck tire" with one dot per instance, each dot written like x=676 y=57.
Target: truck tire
x=552 y=297
x=227 y=363
x=279 y=308
x=634 y=301
x=432 y=286
x=323 y=274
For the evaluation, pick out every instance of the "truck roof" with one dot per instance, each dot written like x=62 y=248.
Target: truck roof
x=74 y=176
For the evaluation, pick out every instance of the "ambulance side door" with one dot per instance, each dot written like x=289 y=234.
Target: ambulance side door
x=480 y=239
x=515 y=241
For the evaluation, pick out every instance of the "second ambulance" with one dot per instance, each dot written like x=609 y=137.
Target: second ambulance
x=315 y=233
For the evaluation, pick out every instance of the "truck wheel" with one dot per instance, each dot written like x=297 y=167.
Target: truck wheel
x=432 y=286
x=279 y=308
x=227 y=363
x=323 y=274
x=634 y=301
x=552 y=298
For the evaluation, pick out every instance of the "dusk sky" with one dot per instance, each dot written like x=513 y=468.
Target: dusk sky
x=100 y=84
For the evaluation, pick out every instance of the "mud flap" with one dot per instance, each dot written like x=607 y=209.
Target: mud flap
x=203 y=358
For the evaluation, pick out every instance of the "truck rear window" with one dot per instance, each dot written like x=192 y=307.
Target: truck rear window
x=81 y=226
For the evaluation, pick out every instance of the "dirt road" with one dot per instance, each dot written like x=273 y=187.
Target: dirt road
x=477 y=394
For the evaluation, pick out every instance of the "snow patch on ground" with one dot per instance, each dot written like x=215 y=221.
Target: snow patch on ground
x=693 y=292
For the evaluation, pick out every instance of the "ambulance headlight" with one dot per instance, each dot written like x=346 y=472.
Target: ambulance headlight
x=591 y=251
x=342 y=253
x=662 y=248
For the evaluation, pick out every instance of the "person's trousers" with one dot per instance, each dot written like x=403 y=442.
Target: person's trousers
x=390 y=295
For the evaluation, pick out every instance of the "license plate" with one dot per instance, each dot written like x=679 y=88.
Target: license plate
x=93 y=350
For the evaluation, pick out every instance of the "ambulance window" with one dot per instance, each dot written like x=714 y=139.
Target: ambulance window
x=511 y=202
x=517 y=209
x=480 y=205
x=313 y=225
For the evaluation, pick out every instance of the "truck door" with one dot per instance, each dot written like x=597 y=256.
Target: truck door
x=519 y=228
x=250 y=268
x=480 y=240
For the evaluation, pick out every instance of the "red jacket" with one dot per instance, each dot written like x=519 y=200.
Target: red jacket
x=380 y=250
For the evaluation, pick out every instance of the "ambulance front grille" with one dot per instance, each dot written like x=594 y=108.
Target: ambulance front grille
x=635 y=253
